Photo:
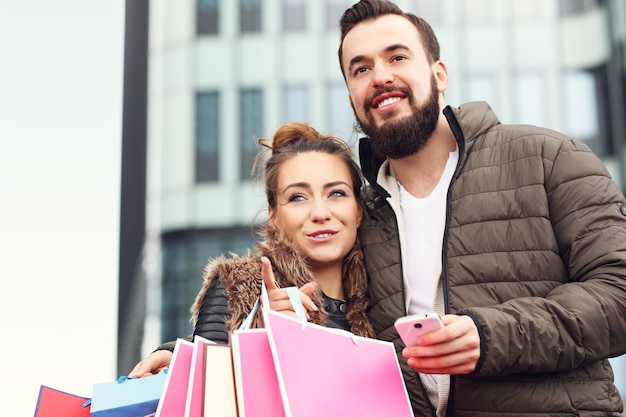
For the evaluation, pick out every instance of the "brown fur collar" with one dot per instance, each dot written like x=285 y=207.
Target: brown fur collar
x=241 y=276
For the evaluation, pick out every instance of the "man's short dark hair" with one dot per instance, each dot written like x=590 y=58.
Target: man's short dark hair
x=366 y=10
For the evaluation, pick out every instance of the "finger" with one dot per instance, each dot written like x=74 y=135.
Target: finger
x=155 y=362
x=459 y=363
x=268 y=274
x=281 y=305
x=455 y=327
x=162 y=369
x=305 y=296
x=139 y=371
x=468 y=344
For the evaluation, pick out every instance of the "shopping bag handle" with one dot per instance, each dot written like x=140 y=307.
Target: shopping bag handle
x=247 y=322
x=294 y=296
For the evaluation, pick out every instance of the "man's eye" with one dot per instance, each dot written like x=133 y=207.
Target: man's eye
x=360 y=70
x=399 y=58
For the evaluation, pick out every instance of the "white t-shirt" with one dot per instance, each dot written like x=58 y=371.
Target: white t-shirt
x=424 y=222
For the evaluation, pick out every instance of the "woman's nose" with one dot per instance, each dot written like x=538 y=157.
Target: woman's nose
x=320 y=212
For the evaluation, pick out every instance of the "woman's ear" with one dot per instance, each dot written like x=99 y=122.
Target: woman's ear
x=270 y=216
x=359 y=215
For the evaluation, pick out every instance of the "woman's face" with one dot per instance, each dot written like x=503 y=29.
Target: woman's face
x=316 y=207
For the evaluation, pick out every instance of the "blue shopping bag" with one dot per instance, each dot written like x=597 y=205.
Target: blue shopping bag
x=127 y=397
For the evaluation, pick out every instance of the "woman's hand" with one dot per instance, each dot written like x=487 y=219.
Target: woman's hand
x=279 y=300
x=155 y=363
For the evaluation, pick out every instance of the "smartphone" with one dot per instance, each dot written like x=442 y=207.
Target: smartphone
x=410 y=327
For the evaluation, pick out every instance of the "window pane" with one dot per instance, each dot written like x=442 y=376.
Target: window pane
x=334 y=11
x=478 y=10
x=250 y=15
x=568 y=7
x=207 y=136
x=294 y=15
x=530 y=99
x=524 y=10
x=580 y=105
x=251 y=129
x=207 y=17
x=481 y=86
x=295 y=104
x=341 y=119
x=184 y=255
x=429 y=10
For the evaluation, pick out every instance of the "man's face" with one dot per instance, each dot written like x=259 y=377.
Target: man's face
x=394 y=90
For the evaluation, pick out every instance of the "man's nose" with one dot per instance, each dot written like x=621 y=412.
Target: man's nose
x=382 y=76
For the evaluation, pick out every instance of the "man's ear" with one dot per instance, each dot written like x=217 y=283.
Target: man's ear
x=440 y=71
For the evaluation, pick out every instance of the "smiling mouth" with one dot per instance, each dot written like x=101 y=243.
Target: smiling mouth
x=322 y=235
x=388 y=101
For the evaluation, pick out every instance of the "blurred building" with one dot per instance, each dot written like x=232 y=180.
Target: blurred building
x=221 y=73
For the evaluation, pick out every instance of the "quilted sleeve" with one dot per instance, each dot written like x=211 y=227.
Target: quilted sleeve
x=213 y=313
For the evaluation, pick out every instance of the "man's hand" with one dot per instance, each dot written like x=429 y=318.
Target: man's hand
x=455 y=349
x=155 y=363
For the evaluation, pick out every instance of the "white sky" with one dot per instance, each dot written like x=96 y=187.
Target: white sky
x=61 y=65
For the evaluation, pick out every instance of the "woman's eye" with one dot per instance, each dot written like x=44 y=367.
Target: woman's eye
x=338 y=193
x=296 y=197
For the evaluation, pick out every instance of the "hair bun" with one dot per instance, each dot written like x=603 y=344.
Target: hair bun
x=292 y=132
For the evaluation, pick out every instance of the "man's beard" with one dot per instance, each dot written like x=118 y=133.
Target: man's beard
x=400 y=138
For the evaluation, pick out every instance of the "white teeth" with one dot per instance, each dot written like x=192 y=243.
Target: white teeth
x=388 y=101
x=322 y=236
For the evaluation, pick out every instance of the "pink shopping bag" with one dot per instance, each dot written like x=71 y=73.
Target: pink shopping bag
x=256 y=382
x=195 y=387
x=174 y=395
x=331 y=372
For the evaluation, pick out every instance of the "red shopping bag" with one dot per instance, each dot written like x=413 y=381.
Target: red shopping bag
x=53 y=403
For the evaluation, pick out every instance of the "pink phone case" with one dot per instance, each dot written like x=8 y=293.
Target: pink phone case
x=411 y=327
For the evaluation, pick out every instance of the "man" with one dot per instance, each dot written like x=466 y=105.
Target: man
x=515 y=234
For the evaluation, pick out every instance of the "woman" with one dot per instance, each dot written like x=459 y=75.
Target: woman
x=313 y=189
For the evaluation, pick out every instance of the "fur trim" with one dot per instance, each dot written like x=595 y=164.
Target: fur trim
x=241 y=276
